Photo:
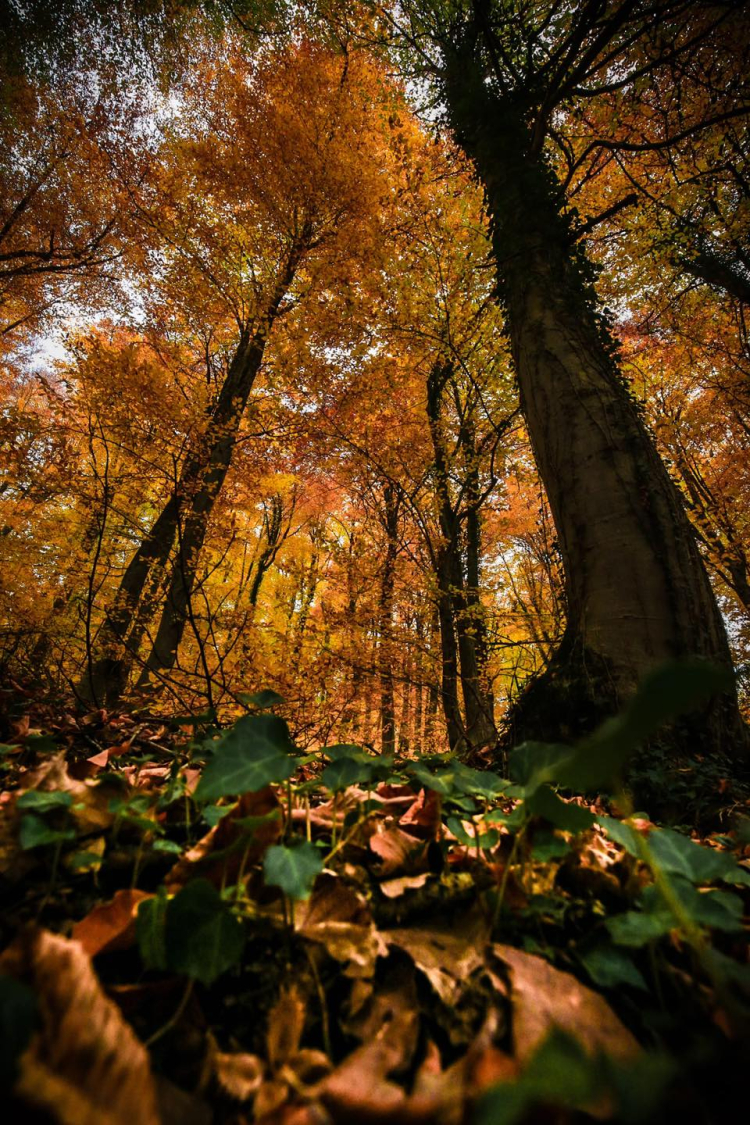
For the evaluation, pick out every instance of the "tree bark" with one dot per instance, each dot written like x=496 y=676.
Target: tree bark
x=185 y=516
x=637 y=591
x=385 y=653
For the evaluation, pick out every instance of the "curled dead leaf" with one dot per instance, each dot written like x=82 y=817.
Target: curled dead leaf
x=239 y=1076
x=338 y=918
x=397 y=850
x=286 y=1022
x=446 y=954
x=218 y=856
x=85 y=1065
x=111 y=925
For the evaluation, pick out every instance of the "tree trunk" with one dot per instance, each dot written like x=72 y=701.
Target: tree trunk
x=637 y=591
x=385 y=653
x=456 y=615
x=210 y=475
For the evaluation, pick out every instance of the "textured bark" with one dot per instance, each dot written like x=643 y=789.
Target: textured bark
x=385 y=614
x=637 y=591
x=460 y=612
x=208 y=480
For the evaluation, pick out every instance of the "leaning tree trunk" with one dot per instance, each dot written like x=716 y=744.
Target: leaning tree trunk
x=637 y=591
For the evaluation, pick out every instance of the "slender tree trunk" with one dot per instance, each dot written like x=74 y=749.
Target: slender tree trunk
x=455 y=612
x=637 y=591
x=385 y=652
x=192 y=501
x=207 y=484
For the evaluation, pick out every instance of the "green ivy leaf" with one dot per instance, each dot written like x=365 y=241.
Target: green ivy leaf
x=679 y=855
x=671 y=690
x=610 y=967
x=719 y=910
x=442 y=782
x=149 y=930
x=598 y=762
x=170 y=846
x=203 y=938
x=635 y=928
x=344 y=772
x=622 y=834
x=571 y=818
x=535 y=763
x=40 y=801
x=34 y=832
x=293 y=868
x=255 y=752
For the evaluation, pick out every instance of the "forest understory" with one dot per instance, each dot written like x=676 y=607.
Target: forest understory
x=374 y=561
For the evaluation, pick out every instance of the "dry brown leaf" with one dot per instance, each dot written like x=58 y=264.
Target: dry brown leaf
x=85 y=1065
x=446 y=954
x=338 y=918
x=111 y=925
x=286 y=1022
x=392 y=888
x=544 y=997
x=203 y=858
x=90 y=809
x=398 y=851
x=270 y=1097
x=239 y=1076
x=424 y=814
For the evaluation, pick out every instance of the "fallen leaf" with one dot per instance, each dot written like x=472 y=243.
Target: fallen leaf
x=218 y=856
x=446 y=954
x=424 y=814
x=338 y=918
x=392 y=888
x=286 y=1021
x=110 y=926
x=240 y=1076
x=85 y=1065
x=397 y=850
x=544 y=997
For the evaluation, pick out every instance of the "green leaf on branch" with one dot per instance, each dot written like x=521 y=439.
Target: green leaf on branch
x=293 y=868
x=256 y=752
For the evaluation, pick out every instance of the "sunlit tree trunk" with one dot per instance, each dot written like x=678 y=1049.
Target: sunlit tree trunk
x=637 y=591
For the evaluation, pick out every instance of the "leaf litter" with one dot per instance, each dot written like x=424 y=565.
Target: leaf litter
x=428 y=944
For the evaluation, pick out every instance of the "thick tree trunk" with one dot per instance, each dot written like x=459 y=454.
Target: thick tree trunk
x=637 y=591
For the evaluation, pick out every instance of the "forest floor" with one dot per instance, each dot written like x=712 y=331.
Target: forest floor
x=205 y=925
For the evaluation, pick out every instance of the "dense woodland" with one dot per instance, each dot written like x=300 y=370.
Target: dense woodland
x=375 y=541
